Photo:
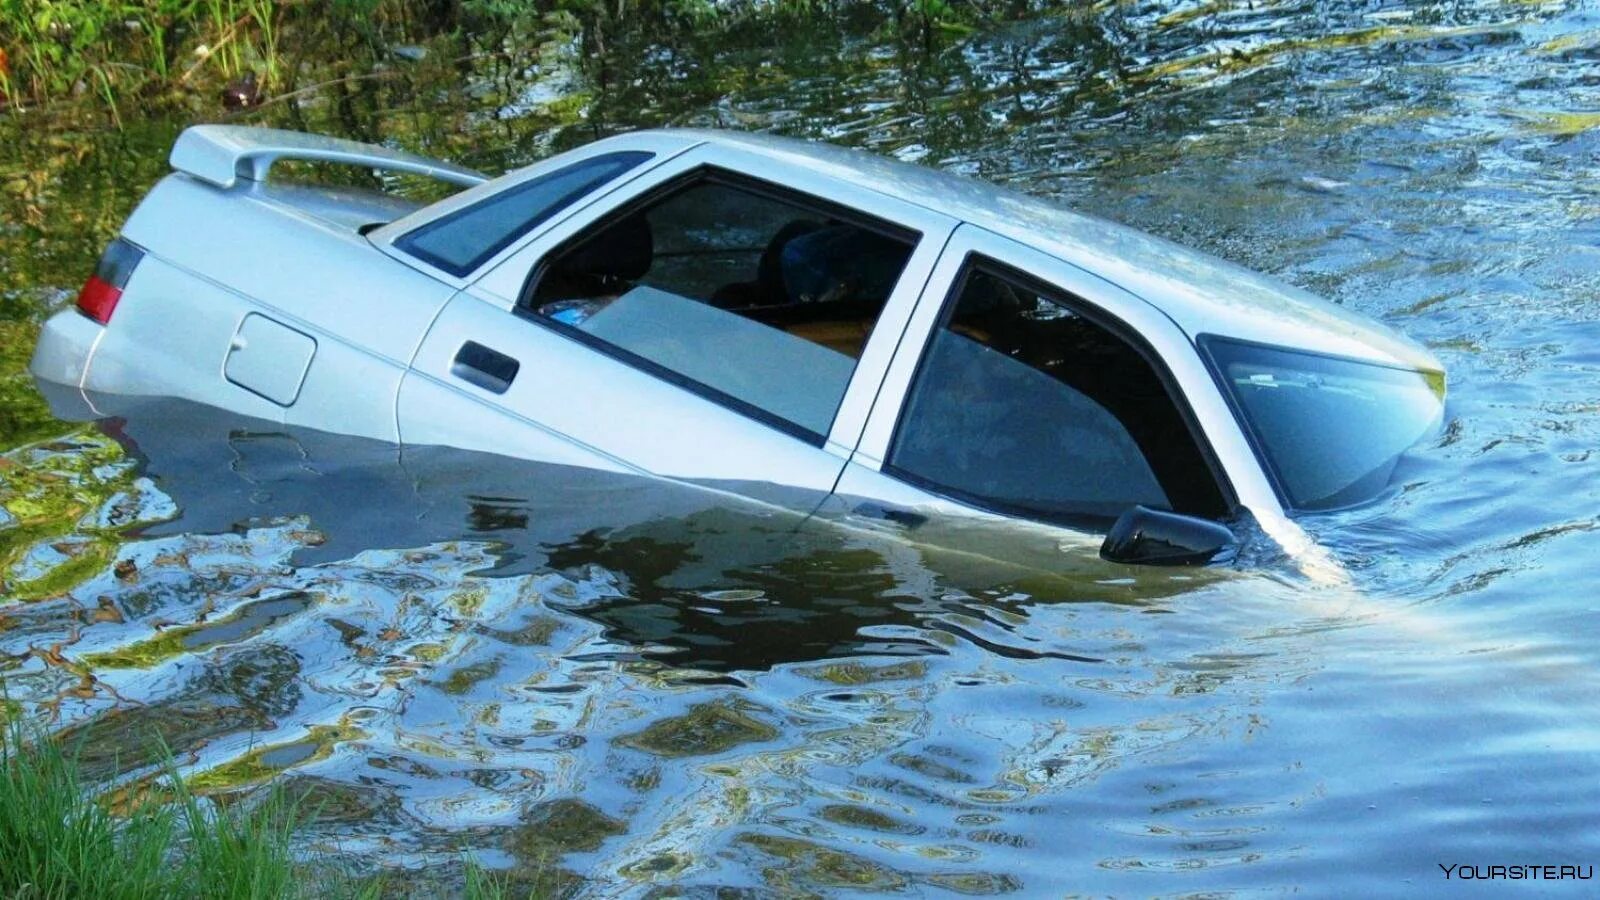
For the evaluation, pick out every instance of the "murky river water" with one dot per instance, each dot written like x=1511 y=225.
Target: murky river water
x=649 y=688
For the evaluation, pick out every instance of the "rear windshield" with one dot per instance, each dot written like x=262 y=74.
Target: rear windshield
x=1330 y=430
x=464 y=240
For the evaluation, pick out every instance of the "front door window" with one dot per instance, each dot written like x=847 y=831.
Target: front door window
x=1024 y=405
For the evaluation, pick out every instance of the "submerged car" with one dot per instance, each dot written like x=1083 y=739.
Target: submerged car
x=818 y=328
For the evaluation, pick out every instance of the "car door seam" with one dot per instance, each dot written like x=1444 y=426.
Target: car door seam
x=899 y=342
x=411 y=360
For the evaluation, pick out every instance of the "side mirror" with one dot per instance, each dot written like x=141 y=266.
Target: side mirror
x=1151 y=537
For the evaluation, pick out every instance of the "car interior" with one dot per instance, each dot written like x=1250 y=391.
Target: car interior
x=758 y=296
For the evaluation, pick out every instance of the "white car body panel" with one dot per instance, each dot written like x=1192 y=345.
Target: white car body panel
x=296 y=305
x=365 y=316
x=66 y=344
x=631 y=415
x=175 y=347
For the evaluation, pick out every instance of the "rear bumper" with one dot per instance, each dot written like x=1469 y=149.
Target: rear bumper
x=66 y=344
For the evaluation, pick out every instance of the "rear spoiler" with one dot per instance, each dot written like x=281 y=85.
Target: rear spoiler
x=223 y=154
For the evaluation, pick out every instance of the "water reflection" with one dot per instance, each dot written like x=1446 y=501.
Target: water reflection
x=700 y=579
x=621 y=675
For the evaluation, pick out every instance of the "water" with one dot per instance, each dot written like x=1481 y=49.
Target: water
x=647 y=688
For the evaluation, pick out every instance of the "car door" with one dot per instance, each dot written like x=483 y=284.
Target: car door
x=1028 y=388
x=681 y=327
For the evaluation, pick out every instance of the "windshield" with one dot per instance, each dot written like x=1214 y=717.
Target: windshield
x=1330 y=430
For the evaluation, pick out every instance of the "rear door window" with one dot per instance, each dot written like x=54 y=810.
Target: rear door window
x=462 y=241
x=1025 y=404
x=756 y=297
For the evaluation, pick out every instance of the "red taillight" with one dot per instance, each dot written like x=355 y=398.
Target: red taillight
x=98 y=299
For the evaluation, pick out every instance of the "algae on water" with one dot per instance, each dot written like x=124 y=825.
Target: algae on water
x=704 y=730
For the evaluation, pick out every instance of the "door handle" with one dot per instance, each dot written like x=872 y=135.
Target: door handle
x=895 y=514
x=487 y=368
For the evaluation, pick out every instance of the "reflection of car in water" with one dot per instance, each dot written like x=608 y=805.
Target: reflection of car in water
x=827 y=331
x=702 y=579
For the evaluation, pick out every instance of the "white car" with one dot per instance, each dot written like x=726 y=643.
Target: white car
x=821 y=329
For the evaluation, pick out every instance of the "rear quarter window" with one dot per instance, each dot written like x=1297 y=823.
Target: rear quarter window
x=462 y=241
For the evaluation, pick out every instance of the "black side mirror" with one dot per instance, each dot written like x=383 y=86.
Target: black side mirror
x=1151 y=537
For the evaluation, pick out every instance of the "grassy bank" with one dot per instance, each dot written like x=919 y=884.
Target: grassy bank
x=53 y=49
x=151 y=51
x=59 y=839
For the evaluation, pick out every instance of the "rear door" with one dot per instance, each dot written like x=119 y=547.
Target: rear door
x=701 y=323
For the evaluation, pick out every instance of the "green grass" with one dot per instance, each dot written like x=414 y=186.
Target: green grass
x=111 y=49
x=58 y=839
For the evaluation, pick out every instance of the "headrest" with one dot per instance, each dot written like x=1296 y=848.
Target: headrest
x=842 y=262
x=769 y=268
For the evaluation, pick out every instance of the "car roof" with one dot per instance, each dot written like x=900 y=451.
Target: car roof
x=1201 y=293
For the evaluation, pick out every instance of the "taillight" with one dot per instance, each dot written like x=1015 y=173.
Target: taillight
x=98 y=299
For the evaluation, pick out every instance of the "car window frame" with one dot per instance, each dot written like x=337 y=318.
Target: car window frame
x=974 y=260
x=405 y=242
x=704 y=172
x=667 y=148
